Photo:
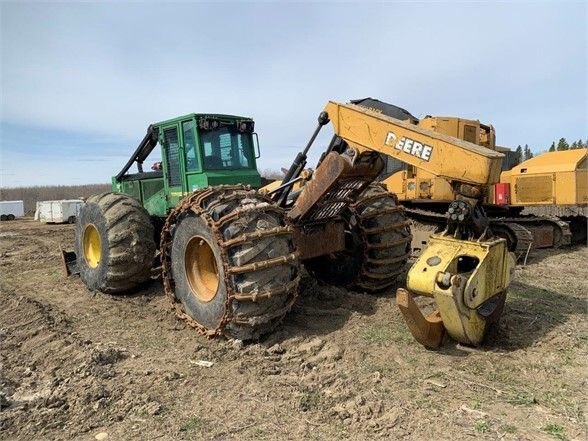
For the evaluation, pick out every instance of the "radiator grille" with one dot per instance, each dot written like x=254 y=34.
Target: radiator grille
x=535 y=189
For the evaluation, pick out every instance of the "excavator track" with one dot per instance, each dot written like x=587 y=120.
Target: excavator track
x=522 y=233
x=547 y=232
x=514 y=233
x=259 y=260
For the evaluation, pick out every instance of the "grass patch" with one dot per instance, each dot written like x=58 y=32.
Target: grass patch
x=377 y=335
x=556 y=431
x=560 y=400
x=521 y=398
x=194 y=424
x=507 y=428
x=482 y=426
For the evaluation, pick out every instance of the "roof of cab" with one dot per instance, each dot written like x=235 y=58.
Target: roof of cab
x=198 y=115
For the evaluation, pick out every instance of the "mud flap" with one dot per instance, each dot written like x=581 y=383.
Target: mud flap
x=70 y=262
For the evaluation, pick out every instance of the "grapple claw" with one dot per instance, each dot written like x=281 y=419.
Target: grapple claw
x=428 y=331
x=467 y=279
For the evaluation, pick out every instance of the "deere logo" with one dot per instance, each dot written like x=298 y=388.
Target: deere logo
x=410 y=146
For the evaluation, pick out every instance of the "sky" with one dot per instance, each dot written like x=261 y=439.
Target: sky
x=80 y=82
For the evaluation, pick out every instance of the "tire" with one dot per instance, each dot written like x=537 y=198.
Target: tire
x=71 y=220
x=244 y=246
x=10 y=217
x=3 y=217
x=377 y=245
x=122 y=260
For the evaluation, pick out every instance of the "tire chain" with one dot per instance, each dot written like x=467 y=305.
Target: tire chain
x=360 y=212
x=195 y=203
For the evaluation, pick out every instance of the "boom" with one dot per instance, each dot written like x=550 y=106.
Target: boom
x=444 y=156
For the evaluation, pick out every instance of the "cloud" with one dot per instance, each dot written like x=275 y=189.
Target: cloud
x=104 y=71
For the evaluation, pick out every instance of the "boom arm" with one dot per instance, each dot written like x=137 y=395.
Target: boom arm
x=444 y=156
x=146 y=146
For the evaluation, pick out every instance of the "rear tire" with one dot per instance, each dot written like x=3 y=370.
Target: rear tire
x=377 y=245
x=114 y=243
x=3 y=217
x=232 y=268
x=10 y=217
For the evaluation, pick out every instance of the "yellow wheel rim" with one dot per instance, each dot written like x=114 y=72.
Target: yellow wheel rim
x=201 y=269
x=92 y=246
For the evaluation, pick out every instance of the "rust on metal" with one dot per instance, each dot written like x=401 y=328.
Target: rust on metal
x=389 y=244
x=70 y=263
x=262 y=265
x=249 y=237
x=338 y=182
x=428 y=331
x=324 y=178
x=319 y=239
x=199 y=203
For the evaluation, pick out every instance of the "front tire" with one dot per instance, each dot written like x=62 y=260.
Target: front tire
x=114 y=243
x=229 y=263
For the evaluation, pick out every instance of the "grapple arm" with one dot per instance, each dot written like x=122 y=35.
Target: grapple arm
x=467 y=279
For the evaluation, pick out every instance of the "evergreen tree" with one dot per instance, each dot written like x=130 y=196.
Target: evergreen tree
x=528 y=154
x=562 y=145
x=574 y=146
x=518 y=156
x=580 y=144
x=552 y=148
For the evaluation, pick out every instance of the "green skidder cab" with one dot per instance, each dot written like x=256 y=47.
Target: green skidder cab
x=197 y=151
x=225 y=253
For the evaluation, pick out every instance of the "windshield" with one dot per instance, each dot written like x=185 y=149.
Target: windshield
x=226 y=148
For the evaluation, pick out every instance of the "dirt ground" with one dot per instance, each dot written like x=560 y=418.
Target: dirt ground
x=83 y=366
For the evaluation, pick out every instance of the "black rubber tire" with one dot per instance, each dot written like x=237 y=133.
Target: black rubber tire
x=71 y=220
x=10 y=217
x=3 y=217
x=265 y=294
x=368 y=264
x=127 y=245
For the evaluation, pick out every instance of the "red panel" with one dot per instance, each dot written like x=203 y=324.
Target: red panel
x=502 y=194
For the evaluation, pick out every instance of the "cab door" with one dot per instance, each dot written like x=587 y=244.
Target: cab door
x=174 y=176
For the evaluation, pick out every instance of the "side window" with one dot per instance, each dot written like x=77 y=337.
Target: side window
x=190 y=146
x=172 y=152
x=469 y=134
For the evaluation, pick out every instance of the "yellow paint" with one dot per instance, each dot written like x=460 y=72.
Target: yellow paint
x=558 y=178
x=92 y=246
x=201 y=270
x=436 y=153
x=468 y=288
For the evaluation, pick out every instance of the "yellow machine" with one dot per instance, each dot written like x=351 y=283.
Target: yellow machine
x=465 y=269
x=557 y=181
x=411 y=183
x=551 y=186
x=427 y=196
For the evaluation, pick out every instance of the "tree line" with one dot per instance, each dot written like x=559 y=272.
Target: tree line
x=564 y=145
x=31 y=195
x=523 y=153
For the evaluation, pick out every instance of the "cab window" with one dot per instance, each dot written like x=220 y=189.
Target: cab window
x=226 y=148
x=192 y=163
